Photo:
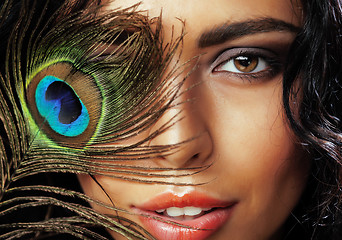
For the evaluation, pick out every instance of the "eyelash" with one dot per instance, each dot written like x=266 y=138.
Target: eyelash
x=273 y=64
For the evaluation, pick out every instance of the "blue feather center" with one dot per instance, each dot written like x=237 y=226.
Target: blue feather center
x=61 y=107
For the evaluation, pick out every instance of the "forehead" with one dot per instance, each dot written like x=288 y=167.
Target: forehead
x=199 y=14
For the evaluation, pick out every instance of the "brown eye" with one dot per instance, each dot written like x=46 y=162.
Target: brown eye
x=243 y=64
x=246 y=64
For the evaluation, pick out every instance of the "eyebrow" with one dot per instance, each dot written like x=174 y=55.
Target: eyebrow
x=232 y=31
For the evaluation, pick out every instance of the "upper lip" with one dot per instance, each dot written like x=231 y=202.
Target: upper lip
x=194 y=199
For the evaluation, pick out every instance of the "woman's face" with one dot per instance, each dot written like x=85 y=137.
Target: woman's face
x=232 y=108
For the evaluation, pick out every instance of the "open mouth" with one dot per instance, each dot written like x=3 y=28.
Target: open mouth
x=190 y=217
x=184 y=214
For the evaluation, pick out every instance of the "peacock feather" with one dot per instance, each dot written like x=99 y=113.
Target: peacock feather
x=75 y=82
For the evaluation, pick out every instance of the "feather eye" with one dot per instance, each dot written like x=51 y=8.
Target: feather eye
x=65 y=103
x=57 y=102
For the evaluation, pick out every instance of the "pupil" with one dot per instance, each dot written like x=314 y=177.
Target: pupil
x=244 y=61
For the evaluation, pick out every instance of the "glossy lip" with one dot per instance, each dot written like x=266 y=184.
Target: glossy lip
x=166 y=228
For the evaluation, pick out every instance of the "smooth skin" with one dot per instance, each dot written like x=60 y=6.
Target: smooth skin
x=236 y=119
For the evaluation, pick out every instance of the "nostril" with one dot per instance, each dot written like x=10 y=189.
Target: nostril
x=195 y=156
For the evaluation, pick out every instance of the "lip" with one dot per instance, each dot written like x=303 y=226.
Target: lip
x=167 y=228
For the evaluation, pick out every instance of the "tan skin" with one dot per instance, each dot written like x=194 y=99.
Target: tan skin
x=237 y=117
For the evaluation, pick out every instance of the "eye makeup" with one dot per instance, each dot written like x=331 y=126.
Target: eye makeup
x=247 y=63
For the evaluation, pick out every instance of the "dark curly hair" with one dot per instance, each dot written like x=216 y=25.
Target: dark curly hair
x=316 y=61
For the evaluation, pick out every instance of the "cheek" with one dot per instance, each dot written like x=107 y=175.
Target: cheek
x=249 y=129
x=266 y=150
x=263 y=165
x=276 y=175
x=99 y=190
x=272 y=187
x=111 y=191
x=91 y=189
x=267 y=166
x=269 y=178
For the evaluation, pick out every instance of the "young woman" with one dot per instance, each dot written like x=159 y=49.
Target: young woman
x=244 y=141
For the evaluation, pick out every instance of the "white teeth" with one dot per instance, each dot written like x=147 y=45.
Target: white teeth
x=186 y=211
x=192 y=211
x=175 y=211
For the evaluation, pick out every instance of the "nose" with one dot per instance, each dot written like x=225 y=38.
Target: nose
x=186 y=131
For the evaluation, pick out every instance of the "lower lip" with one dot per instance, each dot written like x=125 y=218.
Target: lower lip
x=200 y=228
